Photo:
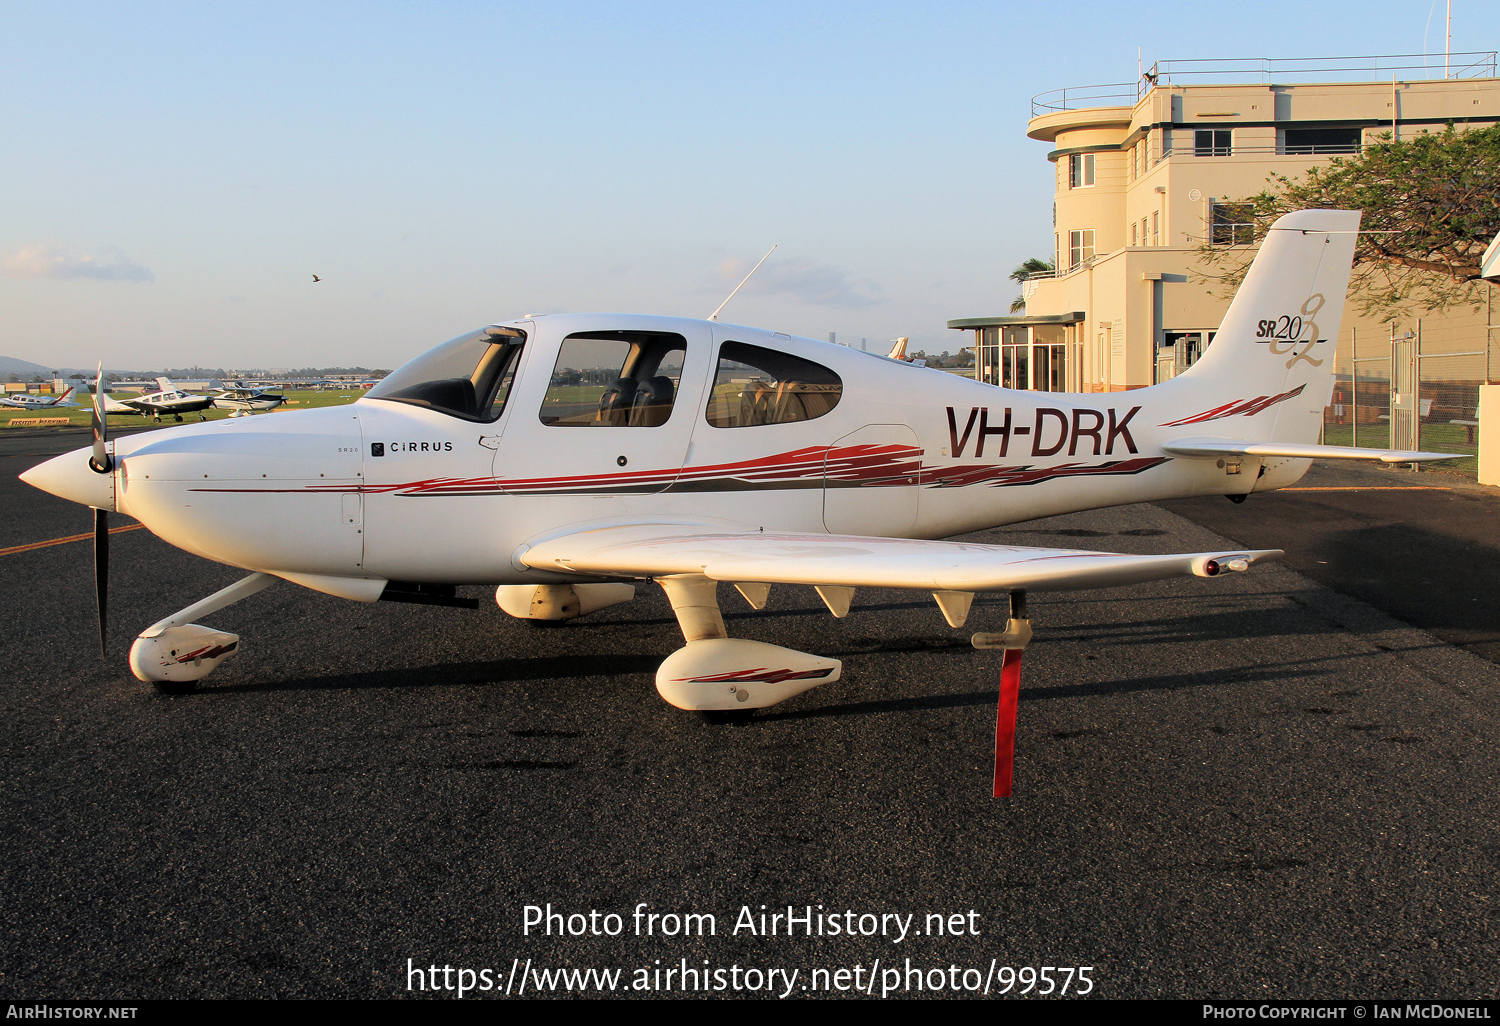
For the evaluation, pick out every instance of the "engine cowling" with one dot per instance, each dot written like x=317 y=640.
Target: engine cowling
x=731 y=673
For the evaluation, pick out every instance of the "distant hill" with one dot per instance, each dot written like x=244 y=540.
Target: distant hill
x=24 y=368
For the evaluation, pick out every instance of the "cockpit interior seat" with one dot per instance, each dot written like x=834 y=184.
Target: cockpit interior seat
x=789 y=404
x=616 y=402
x=653 y=402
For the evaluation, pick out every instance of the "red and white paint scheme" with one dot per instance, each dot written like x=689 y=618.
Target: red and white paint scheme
x=561 y=458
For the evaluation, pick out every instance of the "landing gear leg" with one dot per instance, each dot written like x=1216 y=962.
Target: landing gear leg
x=1013 y=641
x=174 y=654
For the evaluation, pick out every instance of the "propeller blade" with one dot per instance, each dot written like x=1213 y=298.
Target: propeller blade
x=101 y=462
x=101 y=570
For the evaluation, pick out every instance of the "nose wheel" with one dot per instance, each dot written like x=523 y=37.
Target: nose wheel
x=175 y=654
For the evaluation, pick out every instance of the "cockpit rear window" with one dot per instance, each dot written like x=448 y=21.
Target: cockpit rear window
x=468 y=377
x=756 y=386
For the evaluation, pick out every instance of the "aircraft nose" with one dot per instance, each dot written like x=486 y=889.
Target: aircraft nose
x=69 y=477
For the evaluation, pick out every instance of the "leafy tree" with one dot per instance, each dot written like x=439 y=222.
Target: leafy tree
x=1431 y=205
x=1024 y=270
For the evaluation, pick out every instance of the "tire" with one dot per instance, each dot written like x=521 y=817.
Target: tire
x=175 y=687
x=726 y=717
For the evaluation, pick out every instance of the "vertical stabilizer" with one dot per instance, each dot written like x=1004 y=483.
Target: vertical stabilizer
x=1277 y=342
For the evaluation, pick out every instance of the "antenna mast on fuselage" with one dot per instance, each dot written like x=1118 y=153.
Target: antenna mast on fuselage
x=715 y=315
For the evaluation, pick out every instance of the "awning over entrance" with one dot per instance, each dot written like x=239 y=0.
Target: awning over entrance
x=971 y=323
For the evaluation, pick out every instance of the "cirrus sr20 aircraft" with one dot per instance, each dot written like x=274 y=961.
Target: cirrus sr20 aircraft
x=562 y=458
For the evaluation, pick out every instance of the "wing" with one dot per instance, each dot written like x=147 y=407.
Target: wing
x=1210 y=448
x=657 y=550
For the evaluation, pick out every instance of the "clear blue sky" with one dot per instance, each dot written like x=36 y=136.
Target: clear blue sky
x=172 y=175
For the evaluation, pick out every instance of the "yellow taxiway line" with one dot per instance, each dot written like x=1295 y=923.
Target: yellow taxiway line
x=1370 y=488
x=63 y=541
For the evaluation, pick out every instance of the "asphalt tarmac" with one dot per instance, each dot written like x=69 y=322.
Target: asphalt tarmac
x=1424 y=547
x=1253 y=786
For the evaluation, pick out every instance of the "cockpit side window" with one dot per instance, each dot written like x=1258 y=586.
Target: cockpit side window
x=614 y=379
x=756 y=386
x=469 y=377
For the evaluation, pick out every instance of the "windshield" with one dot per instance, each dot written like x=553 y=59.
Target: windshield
x=469 y=377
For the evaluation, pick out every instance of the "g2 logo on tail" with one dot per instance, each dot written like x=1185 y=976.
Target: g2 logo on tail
x=1295 y=330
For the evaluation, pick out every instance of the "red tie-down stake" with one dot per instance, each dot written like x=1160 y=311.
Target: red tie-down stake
x=1013 y=640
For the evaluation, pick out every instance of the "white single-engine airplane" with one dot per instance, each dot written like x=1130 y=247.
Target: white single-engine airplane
x=23 y=401
x=241 y=400
x=168 y=398
x=559 y=458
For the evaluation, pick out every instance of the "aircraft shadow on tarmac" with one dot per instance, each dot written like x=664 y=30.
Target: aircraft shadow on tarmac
x=618 y=667
x=1231 y=676
x=495 y=671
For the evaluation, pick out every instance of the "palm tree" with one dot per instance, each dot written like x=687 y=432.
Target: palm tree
x=1024 y=270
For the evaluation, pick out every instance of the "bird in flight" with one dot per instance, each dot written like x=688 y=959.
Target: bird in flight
x=316 y=278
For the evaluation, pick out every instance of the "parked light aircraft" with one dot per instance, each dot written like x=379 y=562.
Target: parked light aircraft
x=166 y=399
x=562 y=458
x=24 y=401
x=240 y=400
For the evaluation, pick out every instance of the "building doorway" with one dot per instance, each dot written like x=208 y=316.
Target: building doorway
x=1178 y=351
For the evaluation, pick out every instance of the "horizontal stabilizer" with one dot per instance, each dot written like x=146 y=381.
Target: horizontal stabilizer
x=1209 y=448
x=1489 y=264
x=844 y=561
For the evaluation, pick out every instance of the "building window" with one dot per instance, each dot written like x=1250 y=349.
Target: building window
x=1320 y=140
x=1014 y=349
x=1156 y=228
x=1080 y=247
x=1132 y=233
x=1049 y=360
x=1178 y=351
x=1166 y=142
x=1231 y=224
x=1211 y=142
x=1080 y=170
x=1143 y=231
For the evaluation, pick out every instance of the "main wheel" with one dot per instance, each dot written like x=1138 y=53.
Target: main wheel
x=721 y=717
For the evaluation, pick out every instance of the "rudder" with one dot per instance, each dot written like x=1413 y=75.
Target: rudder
x=1278 y=339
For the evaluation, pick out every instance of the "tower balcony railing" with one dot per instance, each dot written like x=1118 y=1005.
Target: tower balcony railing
x=1409 y=67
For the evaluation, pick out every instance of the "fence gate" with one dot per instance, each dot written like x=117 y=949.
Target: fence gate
x=1405 y=415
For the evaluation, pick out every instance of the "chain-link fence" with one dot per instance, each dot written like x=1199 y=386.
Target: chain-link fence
x=1413 y=388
